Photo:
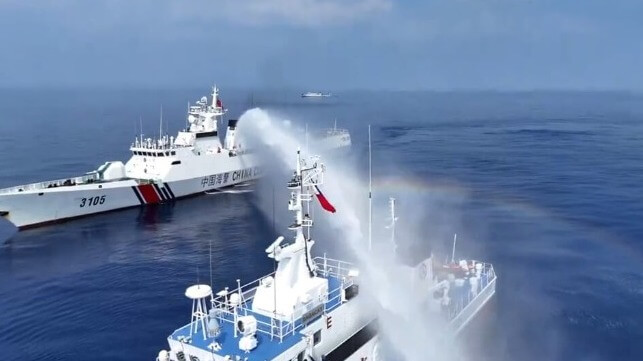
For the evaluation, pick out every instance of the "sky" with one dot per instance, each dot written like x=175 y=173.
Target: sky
x=324 y=44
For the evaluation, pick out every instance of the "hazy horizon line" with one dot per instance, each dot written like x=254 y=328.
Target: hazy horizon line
x=248 y=88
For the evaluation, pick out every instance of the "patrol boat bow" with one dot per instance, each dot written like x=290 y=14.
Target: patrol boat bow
x=160 y=170
x=313 y=309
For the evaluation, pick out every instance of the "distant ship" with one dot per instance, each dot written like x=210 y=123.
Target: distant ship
x=160 y=170
x=315 y=95
x=332 y=139
x=313 y=308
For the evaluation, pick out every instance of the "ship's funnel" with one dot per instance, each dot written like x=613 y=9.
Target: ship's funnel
x=230 y=134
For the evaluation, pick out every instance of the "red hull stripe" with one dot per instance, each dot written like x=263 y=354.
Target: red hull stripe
x=148 y=193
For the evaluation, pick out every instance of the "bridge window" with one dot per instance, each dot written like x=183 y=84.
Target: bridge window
x=300 y=357
x=173 y=153
x=194 y=358
x=317 y=337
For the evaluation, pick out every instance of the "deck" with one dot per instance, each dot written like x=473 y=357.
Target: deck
x=273 y=336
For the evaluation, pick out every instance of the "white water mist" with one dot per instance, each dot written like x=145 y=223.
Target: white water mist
x=415 y=334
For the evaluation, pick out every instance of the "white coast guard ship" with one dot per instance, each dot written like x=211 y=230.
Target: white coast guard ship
x=315 y=95
x=160 y=170
x=332 y=139
x=309 y=309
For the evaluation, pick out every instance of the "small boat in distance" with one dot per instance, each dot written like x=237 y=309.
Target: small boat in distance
x=315 y=95
x=332 y=138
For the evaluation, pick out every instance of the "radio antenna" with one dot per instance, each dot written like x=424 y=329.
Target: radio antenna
x=210 y=262
x=161 y=124
x=370 y=193
x=274 y=254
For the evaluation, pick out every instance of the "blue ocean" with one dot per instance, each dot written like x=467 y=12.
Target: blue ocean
x=545 y=185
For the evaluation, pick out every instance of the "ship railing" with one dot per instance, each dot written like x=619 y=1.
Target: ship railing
x=335 y=268
x=488 y=276
x=156 y=143
x=333 y=131
x=88 y=178
x=277 y=325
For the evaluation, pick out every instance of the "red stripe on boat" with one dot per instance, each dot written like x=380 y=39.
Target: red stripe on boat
x=148 y=193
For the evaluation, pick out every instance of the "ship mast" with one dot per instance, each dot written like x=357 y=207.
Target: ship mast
x=392 y=225
x=304 y=179
x=370 y=193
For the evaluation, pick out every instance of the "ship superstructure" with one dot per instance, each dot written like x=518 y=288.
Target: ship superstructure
x=315 y=308
x=332 y=139
x=160 y=170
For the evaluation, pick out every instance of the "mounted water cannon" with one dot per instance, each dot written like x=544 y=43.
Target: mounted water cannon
x=247 y=327
x=230 y=134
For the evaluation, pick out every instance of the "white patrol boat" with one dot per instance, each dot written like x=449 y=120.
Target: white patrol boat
x=315 y=95
x=332 y=139
x=160 y=170
x=311 y=309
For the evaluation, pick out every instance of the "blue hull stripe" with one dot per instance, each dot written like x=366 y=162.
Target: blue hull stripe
x=140 y=199
x=167 y=186
x=158 y=190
